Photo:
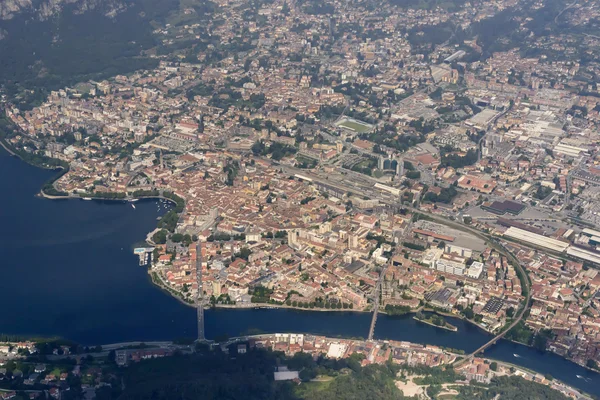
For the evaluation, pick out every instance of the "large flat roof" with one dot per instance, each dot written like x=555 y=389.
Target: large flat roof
x=434 y=235
x=505 y=206
x=535 y=239
x=584 y=254
x=590 y=232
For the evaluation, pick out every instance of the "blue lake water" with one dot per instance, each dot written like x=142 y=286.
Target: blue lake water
x=67 y=269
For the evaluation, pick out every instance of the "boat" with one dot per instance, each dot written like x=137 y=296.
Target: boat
x=516 y=355
x=87 y=198
x=133 y=206
x=133 y=200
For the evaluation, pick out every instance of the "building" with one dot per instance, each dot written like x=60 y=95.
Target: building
x=503 y=207
x=461 y=251
x=475 y=270
x=451 y=267
x=536 y=240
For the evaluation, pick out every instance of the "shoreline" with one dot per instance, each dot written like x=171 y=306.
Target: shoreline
x=7 y=148
x=448 y=327
x=531 y=371
x=95 y=198
x=254 y=305
x=267 y=306
x=162 y=287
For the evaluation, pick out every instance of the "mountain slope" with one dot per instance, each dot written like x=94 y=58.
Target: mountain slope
x=49 y=44
x=44 y=9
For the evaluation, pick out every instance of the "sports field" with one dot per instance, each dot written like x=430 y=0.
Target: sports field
x=354 y=125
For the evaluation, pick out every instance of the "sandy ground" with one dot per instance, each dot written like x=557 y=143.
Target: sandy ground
x=410 y=388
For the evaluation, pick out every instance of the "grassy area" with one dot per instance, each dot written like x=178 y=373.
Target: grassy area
x=309 y=389
x=305 y=162
x=366 y=166
x=446 y=396
x=356 y=126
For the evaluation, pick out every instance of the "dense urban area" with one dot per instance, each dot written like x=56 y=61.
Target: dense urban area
x=407 y=157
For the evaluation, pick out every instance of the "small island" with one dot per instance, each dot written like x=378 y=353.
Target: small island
x=435 y=320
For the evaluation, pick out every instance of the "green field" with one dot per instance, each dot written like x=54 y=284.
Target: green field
x=354 y=125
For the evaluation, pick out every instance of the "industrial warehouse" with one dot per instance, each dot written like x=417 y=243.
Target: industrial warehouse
x=559 y=246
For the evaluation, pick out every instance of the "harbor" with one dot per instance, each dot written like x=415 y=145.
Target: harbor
x=144 y=254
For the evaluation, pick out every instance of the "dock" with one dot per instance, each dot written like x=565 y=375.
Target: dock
x=145 y=254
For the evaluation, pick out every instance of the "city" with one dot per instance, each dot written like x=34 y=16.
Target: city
x=335 y=156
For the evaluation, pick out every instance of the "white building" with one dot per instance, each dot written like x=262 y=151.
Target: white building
x=475 y=270
x=450 y=267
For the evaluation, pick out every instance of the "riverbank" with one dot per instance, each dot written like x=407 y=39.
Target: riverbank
x=430 y=321
x=52 y=197
x=551 y=380
x=7 y=148
x=58 y=164
x=286 y=307
x=92 y=197
x=158 y=282
x=106 y=298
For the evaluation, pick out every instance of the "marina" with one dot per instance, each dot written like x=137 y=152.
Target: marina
x=144 y=254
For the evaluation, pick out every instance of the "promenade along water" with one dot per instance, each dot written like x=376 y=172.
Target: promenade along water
x=68 y=270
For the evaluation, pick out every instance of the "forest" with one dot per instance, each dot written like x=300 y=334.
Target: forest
x=214 y=374
x=69 y=47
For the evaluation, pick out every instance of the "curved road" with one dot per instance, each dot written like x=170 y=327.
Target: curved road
x=454 y=224
x=513 y=260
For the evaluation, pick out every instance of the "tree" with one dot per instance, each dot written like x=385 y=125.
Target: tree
x=540 y=340
x=494 y=366
x=245 y=253
x=468 y=313
x=510 y=312
x=413 y=174
x=177 y=237
x=160 y=237
x=592 y=364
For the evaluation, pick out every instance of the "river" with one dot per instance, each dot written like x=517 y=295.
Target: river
x=67 y=269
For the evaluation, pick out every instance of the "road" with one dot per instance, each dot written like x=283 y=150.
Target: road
x=107 y=348
x=371 y=192
x=488 y=128
x=563 y=10
x=380 y=282
x=514 y=261
x=589 y=300
x=376 y=304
